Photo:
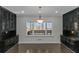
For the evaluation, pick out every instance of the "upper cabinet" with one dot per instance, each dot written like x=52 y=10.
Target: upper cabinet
x=7 y=20
x=12 y=21
x=71 y=20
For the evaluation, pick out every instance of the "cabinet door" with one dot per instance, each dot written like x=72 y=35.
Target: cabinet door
x=14 y=21
x=4 y=16
x=64 y=25
x=11 y=21
x=78 y=18
x=0 y=21
x=71 y=20
x=75 y=24
x=7 y=20
x=68 y=21
x=65 y=19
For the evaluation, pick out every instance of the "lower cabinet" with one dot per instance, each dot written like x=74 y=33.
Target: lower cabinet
x=6 y=44
x=65 y=49
x=73 y=45
x=13 y=49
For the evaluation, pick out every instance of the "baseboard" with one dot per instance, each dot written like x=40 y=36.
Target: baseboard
x=39 y=43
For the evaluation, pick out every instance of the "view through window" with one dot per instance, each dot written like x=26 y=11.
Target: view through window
x=35 y=28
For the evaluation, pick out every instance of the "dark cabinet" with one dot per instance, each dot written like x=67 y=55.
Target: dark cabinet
x=70 y=35
x=0 y=21
x=71 y=20
x=8 y=43
x=12 y=21
x=70 y=43
x=7 y=20
x=3 y=19
x=8 y=36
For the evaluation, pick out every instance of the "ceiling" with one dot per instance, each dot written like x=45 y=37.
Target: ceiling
x=45 y=11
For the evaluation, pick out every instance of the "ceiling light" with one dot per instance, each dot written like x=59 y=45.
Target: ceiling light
x=39 y=11
x=56 y=11
x=22 y=11
x=40 y=21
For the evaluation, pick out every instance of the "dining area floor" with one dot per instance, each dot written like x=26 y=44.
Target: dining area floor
x=40 y=48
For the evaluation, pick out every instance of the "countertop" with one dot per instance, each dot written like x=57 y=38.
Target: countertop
x=72 y=38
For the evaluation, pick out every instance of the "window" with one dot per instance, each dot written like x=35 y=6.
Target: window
x=35 y=28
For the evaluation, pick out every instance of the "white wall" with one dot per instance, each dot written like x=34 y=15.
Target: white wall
x=57 y=31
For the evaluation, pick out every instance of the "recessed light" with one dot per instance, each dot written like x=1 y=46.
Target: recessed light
x=56 y=11
x=39 y=11
x=22 y=11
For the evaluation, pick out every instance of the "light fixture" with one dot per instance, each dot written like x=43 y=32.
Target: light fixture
x=72 y=32
x=56 y=11
x=39 y=11
x=22 y=11
x=40 y=20
x=76 y=25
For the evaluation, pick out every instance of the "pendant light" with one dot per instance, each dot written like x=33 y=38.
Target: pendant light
x=40 y=20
